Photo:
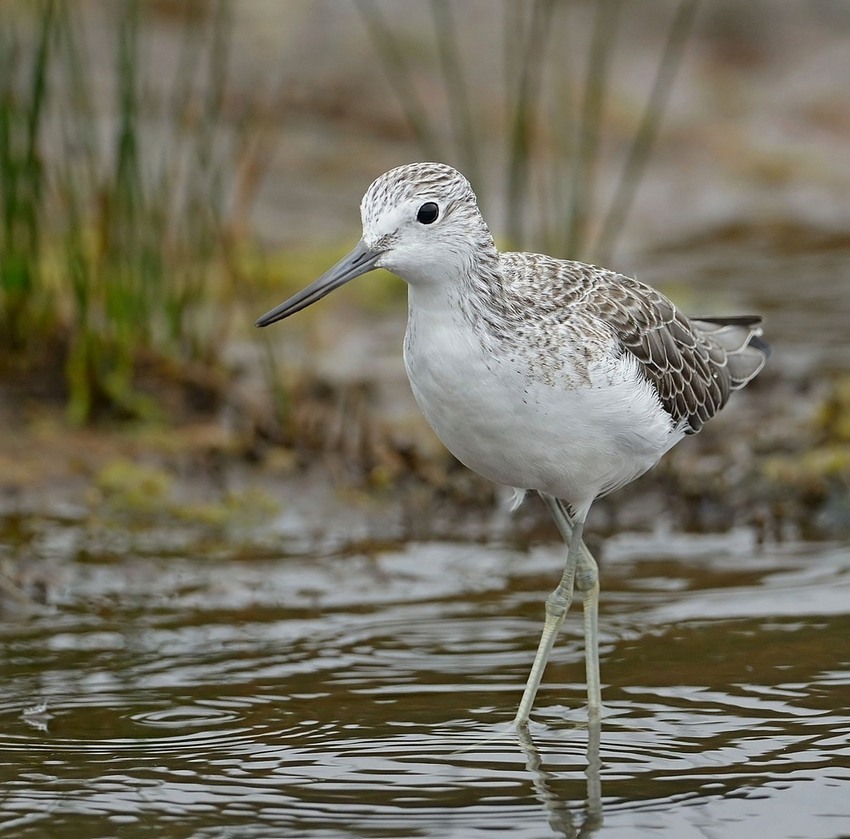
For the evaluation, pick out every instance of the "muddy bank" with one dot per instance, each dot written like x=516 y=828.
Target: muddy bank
x=743 y=209
x=353 y=467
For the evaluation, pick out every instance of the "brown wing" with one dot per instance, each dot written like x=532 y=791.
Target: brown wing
x=693 y=364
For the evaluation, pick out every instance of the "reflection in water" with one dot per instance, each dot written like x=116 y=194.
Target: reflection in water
x=36 y=716
x=262 y=698
x=561 y=818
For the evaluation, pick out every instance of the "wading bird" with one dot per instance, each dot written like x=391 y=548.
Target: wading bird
x=539 y=373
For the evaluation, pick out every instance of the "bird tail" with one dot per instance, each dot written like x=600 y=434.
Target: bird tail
x=740 y=337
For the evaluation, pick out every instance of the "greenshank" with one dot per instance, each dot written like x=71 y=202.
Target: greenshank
x=539 y=373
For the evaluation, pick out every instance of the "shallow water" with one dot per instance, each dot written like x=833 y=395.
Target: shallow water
x=368 y=695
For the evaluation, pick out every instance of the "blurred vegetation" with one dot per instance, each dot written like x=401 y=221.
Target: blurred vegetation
x=115 y=242
x=811 y=473
x=552 y=137
x=123 y=195
x=125 y=245
x=144 y=494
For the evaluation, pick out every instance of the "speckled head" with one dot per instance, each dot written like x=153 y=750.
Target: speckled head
x=425 y=221
x=420 y=221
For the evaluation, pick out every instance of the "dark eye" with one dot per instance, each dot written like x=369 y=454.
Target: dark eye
x=428 y=213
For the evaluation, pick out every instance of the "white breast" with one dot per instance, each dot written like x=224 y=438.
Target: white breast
x=576 y=436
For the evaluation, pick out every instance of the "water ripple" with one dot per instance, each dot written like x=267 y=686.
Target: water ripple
x=264 y=699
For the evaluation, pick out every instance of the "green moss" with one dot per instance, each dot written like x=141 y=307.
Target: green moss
x=809 y=468
x=132 y=488
x=832 y=419
x=241 y=509
x=140 y=493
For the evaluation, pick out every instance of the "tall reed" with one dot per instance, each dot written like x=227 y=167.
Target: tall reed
x=153 y=202
x=23 y=98
x=566 y=177
x=118 y=193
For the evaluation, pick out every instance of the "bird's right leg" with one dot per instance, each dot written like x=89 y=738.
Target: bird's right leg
x=557 y=603
x=587 y=582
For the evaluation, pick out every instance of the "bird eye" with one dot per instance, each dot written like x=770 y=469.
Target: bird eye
x=428 y=213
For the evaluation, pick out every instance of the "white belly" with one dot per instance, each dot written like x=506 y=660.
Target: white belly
x=576 y=437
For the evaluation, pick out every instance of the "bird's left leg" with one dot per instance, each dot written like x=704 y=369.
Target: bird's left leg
x=586 y=581
x=557 y=603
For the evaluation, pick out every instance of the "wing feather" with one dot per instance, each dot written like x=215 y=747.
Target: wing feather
x=693 y=364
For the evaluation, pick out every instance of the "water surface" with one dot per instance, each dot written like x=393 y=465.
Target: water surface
x=368 y=694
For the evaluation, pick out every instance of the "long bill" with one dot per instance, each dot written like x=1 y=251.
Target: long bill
x=361 y=260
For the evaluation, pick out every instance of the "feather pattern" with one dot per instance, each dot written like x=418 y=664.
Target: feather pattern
x=539 y=373
x=693 y=364
x=536 y=372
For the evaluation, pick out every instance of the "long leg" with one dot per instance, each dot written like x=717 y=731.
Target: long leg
x=587 y=582
x=557 y=604
x=580 y=560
